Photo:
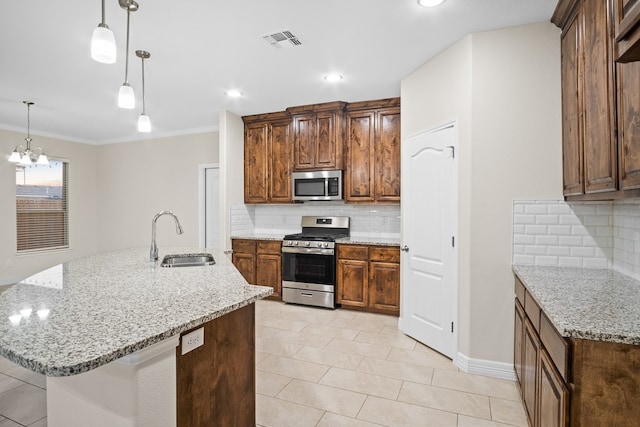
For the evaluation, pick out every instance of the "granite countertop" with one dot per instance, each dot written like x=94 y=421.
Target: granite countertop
x=585 y=303
x=90 y=311
x=374 y=241
x=260 y=236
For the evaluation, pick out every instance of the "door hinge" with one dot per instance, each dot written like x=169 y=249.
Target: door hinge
x=451 y=327
x=453 y=241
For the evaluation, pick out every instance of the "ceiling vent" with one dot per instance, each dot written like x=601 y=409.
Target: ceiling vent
x=283 y=39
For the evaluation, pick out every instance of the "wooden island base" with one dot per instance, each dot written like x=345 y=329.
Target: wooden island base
x=216 y=382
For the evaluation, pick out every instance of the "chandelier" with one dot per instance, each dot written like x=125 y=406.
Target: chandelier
x=25 y=155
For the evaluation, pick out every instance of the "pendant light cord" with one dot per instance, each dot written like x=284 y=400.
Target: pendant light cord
x=28 y=138
x=103 y=13
x=143 y=104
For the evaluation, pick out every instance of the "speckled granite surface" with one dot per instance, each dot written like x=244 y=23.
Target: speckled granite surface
x=375 y=241
x=108 y=305
x=260 y=236
x=594 y=304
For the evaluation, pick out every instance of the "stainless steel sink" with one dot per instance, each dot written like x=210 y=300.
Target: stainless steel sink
x=187 y=260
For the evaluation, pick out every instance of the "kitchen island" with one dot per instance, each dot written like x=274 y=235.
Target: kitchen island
x=104 y=330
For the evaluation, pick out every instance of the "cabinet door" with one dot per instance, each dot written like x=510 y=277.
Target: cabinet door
x=269 y=272
x=530 y=357
x=326 y=147
x=245 y=263
x=553 y=406
x=304 y=141
x=387 y=153
x=572 y=157
x=256 y=161
x=518 y=341
x=280 y=162
x=599 y=136
x=352 y=282
x=384 y=287
x=360 y=166
x=629 y=125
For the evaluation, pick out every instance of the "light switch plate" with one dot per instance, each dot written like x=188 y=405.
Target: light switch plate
x=192 y=340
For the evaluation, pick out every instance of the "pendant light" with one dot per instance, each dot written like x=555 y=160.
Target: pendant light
x=126 y=97
x=25 y=155
x=103 y=43
x=144 y=124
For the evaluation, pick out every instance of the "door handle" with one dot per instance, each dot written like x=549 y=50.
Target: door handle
x=405 y=248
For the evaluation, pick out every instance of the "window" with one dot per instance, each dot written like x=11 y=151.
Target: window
x=42 y=215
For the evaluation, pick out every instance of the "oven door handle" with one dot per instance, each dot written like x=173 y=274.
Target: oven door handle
x=310 y=251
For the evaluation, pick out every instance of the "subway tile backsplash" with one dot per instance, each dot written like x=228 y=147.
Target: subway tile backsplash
x=572 y=234
x=366 y=221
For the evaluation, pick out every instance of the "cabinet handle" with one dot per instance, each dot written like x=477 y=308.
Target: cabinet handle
x=405 y=248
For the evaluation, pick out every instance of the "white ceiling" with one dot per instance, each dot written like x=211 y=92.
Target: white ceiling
x=201 y=48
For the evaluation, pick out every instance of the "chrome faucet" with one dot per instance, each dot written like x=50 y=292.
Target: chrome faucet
x=154 y=247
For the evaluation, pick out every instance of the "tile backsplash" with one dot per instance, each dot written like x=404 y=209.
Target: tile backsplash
x=366 y=221
x=578 y=234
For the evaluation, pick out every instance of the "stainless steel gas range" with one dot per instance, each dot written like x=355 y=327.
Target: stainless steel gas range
x=309 y=261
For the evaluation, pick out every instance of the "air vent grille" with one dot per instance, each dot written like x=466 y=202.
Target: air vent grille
x=282 y=39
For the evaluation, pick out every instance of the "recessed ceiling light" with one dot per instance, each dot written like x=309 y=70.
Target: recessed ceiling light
x=430 y=3
x=233 y=93
x=333 y=77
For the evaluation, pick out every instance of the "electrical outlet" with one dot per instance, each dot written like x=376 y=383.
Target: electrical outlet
x=192 y=340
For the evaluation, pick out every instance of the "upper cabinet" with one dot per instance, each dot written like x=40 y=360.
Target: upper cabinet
x=267 y=158
x=318 y=136
x=372 y=171
x=600 y=105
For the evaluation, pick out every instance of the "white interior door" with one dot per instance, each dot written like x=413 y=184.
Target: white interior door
x=429 y=224
x=209 y=206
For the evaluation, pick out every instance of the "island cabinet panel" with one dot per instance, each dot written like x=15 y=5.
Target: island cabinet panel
x=372 y=172
x=368 y=278
x=260 y=262
x=215 y=383
x=267 y=158
x=318 y=136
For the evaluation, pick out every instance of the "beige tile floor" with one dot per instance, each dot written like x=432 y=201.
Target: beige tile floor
x=318 y=367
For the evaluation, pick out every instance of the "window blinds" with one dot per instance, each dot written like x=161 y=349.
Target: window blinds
x=42 y=216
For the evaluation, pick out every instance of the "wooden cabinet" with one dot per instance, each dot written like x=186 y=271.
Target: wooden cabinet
x=571 y=381
x=600 y=101
x=368 y=278
x=259 y=262
x=627 y=14
x=318 y=136
x=267 y=158
x=372 y=171
x=215 y=383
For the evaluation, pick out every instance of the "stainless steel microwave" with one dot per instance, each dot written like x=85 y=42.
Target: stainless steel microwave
x=317 y=185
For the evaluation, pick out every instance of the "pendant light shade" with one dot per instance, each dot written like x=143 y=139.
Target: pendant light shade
x=144 y=123
x=103 y=43
x=126 y=97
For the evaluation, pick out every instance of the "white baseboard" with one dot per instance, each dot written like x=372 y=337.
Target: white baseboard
x=489 y=368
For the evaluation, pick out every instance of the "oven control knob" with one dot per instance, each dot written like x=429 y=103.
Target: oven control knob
x=289 y=243
x=326 y=245
x=295 y=243
x=306 y=243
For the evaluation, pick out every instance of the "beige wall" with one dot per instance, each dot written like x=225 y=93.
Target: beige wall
x=138 y=179
x=82 y=206
x=503 y=87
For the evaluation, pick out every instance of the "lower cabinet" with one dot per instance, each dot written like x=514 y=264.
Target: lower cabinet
x=368 y=278
x=259 y=262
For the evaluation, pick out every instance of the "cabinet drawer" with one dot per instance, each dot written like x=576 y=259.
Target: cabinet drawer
x=384 y=254
x=532 y=309
x=353 y=252
x=519 y=291
x=273 y=247
x=556 y=346
x=242 y=245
